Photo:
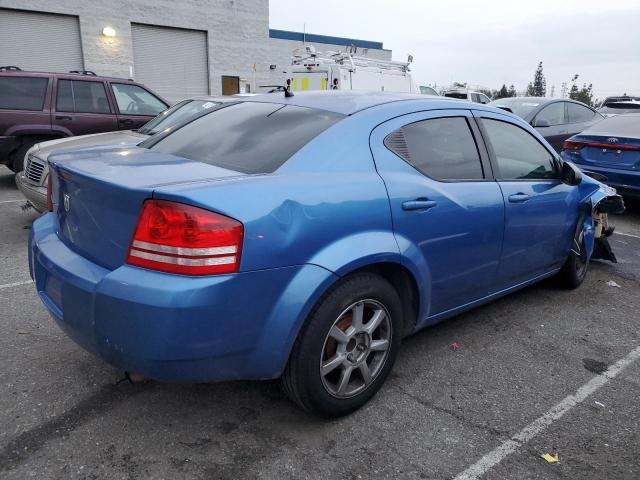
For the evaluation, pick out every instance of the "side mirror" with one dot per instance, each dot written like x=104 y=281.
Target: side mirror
x=540 y=123
x=570 y=174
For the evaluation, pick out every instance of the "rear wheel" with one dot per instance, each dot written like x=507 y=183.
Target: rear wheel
x=347 y=348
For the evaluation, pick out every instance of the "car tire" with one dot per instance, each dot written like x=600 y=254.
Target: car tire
x=333 y=338
x=573 y=271
x=17 y=161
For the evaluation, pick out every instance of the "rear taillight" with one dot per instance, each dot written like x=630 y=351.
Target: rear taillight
x=178 y=238
x=49 y=194
x=573 y=145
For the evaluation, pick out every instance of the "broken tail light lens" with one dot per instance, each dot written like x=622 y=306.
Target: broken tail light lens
x=178 y=238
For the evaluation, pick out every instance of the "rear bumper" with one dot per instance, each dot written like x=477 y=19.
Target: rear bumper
x=35 y=195
x=625 y=181
x=171 y=327
x=7 y=145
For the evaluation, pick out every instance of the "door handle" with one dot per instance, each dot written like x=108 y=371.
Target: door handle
x=419 y=204
x=126 y=121
x=518 y=198
x=63 y=117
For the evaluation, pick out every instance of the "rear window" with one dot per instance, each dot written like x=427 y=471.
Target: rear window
x=247 y=137
x=622 y=107
x=460 y=96
x=22 y=93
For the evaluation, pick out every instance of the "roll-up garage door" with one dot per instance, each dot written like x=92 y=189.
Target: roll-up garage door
x=40 y=41
x=171 y=61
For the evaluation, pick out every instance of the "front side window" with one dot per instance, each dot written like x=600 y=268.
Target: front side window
x=22 y=93
x=135 y=100
x=82 y=96
x=551 y=114
x=247 y=137
x=518 y=154
x=440 y=148
x=579 y=114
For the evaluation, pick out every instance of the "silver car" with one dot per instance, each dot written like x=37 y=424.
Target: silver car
x=32 y=181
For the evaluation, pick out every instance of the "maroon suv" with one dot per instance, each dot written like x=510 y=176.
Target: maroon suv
x=36 y=106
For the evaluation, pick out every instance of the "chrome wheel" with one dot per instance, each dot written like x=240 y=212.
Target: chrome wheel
x=355 y=349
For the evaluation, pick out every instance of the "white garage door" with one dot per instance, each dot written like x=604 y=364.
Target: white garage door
x=171 y=61
x=40 y=41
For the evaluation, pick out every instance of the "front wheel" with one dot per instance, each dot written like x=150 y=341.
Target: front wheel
x=575 y=268
x=347 y=348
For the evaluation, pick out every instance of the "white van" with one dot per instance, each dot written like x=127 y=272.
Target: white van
x=346 y=71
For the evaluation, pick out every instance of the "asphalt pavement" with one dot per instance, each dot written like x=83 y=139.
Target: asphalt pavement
x=541 y=371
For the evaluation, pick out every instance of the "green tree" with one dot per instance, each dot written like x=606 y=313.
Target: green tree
x=502 y=93
x=539 y=86
x=512 y=91
x=582 y=94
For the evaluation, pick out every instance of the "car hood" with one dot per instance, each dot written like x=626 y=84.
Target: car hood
x=117 y=138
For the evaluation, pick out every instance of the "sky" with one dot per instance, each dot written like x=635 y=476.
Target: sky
x=489 y=43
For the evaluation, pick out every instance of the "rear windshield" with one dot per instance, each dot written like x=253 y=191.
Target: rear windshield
x=461 y=96
x=176 y=115
x=618 y=126
x=22 y=93
x=622 y=107
x=247 y=137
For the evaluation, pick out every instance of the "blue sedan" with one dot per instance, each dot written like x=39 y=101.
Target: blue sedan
x=611 y=149
x=304 y=237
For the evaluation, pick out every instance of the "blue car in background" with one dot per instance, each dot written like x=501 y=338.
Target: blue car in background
x=304 y=237
x=611 y=149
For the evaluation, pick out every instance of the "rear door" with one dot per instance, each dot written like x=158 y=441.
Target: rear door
x=81 y=107
x=447 y=210
x=135 y=105
x=541 y=213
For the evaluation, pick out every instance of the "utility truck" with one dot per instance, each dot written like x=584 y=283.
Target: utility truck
x=347 y=71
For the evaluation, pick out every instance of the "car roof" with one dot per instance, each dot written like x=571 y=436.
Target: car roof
x=28 y=73
x=347 y=102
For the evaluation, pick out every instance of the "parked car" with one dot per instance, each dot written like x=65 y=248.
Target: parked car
x=426 y=90
x=32 y=181
x=620 y=107
x=36 y=106
x=556 y=119
x=612 y=149
x=469 y=95
x=303 y=237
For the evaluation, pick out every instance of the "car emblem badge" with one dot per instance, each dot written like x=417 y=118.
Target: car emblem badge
x=612 y=140
x=67 y=202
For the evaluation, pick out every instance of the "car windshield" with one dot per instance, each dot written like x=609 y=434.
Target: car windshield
x=247 y=137
x=518 y=106
x=176 y=115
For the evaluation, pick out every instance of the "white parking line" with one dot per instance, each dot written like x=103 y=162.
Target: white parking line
x=493 y=458
x=627 y=234
x=15 y=284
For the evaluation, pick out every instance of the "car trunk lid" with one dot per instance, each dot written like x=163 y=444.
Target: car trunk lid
x=98 y=195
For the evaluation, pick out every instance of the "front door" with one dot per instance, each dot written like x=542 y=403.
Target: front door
x=447 y=210
x=82 y=107
x=136 y=105
x=540 y=212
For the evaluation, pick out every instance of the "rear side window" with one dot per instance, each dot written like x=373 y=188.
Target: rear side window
x=81 y=97
x=440 y=148
x=518 y=154
x=22 y=93
x=247 y=137
x=579 y=114
x=135 y=100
